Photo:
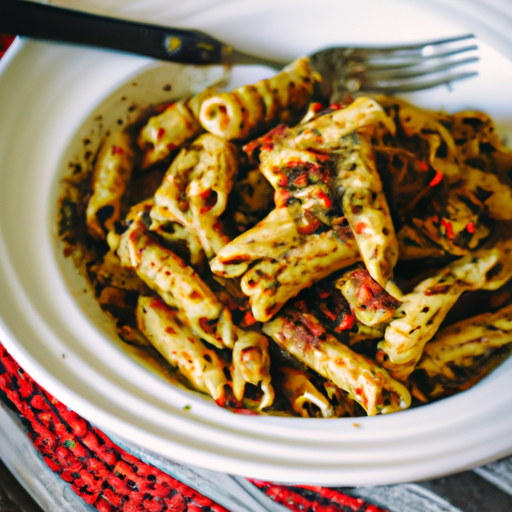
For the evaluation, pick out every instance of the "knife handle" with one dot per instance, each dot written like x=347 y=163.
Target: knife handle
x=25 y=18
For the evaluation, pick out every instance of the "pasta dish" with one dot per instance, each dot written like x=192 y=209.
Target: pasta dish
x=288 y=256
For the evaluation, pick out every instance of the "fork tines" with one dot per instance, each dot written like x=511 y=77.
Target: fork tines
x=435 y=63
x=402 y=68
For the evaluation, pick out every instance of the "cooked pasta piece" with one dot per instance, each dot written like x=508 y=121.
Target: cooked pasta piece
x=110 y=178
x=251 y=108
x=306 y=399
x=175 y=234
x=195 y=190
x=284 y=262
x=364 y=381
x=270 y=283
x=168 y=131
x=181 y=240
x=168 y=275
x=478 y=143
x=182 y=348
x=369 y=302
x=496 y=196
x=316 y=137
x=325 y=131
x=270 y=238
x=358 y=185
x=459 y=345
x=251 y=365
x=422 y=311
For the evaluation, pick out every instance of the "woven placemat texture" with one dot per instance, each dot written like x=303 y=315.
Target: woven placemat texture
x=111 y=479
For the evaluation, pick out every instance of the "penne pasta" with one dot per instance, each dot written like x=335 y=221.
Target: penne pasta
x=195 y=190
x=251 y=108
x=110 y=179
x=168 y=275
x=363 y=380
x=182 y=348
x=306 y=399
x=166 y=132
x=418 y=318
x=364 y=204
x=251 y=365
x=269 y=284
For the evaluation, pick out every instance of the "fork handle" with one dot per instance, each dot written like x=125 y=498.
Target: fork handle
x=25 y=18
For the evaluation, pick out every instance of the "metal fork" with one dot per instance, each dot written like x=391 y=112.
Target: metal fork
x=381 y=70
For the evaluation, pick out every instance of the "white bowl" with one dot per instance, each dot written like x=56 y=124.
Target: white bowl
x=50 y=97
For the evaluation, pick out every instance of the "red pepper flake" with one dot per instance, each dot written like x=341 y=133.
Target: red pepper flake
x=171 y=146
x=325 y=198
x=160 y=133
x=323 y=294
x=301 y=181
x=347 y=322
x=116 y=150
x=249 y=319
x=205 y=194
x=251 y=147
x=423 y=165
x=436 y=179
x=316 y=107
x=470 y=228
x=280 y=198
x=359 y=228
x=315 y=328
x=448 y=227
x=319 y=155
x=269 y=146
x=310 y=226
x=327 y=313
x=283 y=180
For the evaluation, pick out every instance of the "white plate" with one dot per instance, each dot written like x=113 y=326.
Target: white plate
x=49 y=95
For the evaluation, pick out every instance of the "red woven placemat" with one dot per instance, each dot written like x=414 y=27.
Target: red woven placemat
x=5 y=42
